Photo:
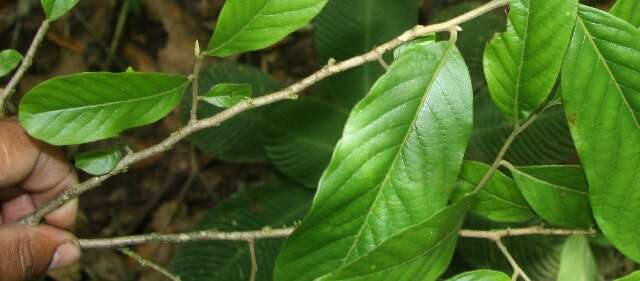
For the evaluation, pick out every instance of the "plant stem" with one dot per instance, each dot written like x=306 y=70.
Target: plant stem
x=495 y=235
x=5 y=96
x=516 y=268
x=290 y=92
x=147 y=263
x=194 y=84
x=254 y=260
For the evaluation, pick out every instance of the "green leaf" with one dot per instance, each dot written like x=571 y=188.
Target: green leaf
x=9 y=60
x=57 y=8
x=387 y=172
x=500 y=200
x=99 y=162
x=346 y=29
x=237 y=139
x=635 y=276
x=424 y=40
x=226 y=95
x=248 y=210
x=628 y=10
x=413 y=254
x=577 y=262
x=299 y=137
x=558 y=194
x=248 y=25
x=521 y=65
x=481 y=275
x=87 y=107
x=603 y=109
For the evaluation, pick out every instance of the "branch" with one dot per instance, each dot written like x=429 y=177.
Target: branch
x=290 y=92
x=216 y=235
x=517 y=270
x=5 y=96
x=147 y=263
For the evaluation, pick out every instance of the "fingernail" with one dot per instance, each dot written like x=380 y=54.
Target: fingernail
x=65 y=255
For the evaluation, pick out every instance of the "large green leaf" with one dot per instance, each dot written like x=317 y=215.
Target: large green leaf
x=275 y=204
x=299 y=137
x=9 y=60
x=628 y=10
x=395 y=165
x=603 y=109
x=92 y=106
x=248 y=25
x=481 y=275
x=559 y=194
x=413 y=254
x=521 y=65
x=631 y=277
x=577 y=262
x=237 y=139
x=349 y=28
x=57 y=8
x=547 y=140
x=500 y=200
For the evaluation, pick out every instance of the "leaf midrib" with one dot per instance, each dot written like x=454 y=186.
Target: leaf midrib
x=520 y=65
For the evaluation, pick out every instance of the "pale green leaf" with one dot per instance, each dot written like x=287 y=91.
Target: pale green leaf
x=9 y=60
x=628 y=10
x=248 y=25
x=603 y=109
x=237 y=139
x=635 y=276
x=99 y=162
x=500 y=200
x=481 y=275
x=226 y=95
x=428 y=39
x=387 y=171
x=577 y=262
x=558 y=194
x=244 y=211
x=87 y=107
x=521 y=65
x=57 y=8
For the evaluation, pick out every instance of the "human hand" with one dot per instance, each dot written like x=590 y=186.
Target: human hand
x=31 y=173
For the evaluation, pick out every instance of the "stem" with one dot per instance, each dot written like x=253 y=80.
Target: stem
x=516 y=268
x=254 y=260
x=495 y=235
x=147 y=263
x=5 y=96
x=117 y=35
x=194 y=84
x=290 y=92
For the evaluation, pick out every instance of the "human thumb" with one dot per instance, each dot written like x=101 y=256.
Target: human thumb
x=27 y=252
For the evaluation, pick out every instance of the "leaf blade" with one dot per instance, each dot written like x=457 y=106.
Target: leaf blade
x=481 y=275
x=576 y=261
x=54 y=9
x=99 y=162
x=628 y=10
x=9 y=60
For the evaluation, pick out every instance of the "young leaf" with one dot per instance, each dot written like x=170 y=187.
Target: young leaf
x=299 y=137
x=231 y=261
x=603 y=110
x=577 y=262
x=92 y=106
x=559 y=194
x=386 y=173
x=54 y=9
x=237 y=139
x=226 y=95
x=248 y=25
x=500 y=200
x=9 y=60
x=635 y=276
x=99 y=162
x=481 y=275
x=521 y=65
x=415 y=253
x=628 y=10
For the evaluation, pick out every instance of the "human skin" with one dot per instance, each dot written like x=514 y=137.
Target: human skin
x=31 y=173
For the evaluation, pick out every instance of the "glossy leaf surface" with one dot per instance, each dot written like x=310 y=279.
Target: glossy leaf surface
x=231 y=261
x=9 y=60
x=93 y=106
x=226 y=95
x=521 y=65
x=388 y=170
x=558 y=194
x=57 y=8
x=99 y=162
x=577 y=262
x=500 y=200
x=628 y=10
x=631 y=277
x=248 y=25
x=481 y=275
x=603 y=109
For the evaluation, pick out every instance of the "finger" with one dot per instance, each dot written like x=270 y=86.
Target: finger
x=65 y=216
x=27 y=252
x=18 y=153
x=17 y=208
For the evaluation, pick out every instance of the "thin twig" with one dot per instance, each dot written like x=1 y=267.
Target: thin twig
x=254 y=260
x=5 y=96
x=194 y=84
x=216 y=235
x=149 y=264
x=290 y=92
x=117 y=35
x=516 y=268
